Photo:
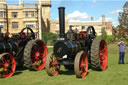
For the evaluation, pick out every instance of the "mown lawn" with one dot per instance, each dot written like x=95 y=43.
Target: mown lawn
x=114 y=75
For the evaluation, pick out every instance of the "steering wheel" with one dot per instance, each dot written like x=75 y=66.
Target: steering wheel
x=32 y=34
x=91 y=32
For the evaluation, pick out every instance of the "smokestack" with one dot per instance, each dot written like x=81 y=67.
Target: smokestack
x=62 y=21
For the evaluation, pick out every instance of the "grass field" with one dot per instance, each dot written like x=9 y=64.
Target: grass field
x=114 y=75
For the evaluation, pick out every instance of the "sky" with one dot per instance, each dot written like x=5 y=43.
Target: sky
x=82 y=10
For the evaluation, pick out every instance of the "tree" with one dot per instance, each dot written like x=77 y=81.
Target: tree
x=103 y=33
x=49 y=38
x=123 y=20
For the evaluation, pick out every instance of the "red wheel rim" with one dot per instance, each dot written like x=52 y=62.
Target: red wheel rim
x=103 y=55
x=7 y=65
x=39 y=53
x=83 y=65
x=54 y=68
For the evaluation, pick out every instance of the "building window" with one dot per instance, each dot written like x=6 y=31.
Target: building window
x=2 y=25
x=15 y=25
x=14 y=14
x=31 y=24
x=1 y=14
x=29 y=14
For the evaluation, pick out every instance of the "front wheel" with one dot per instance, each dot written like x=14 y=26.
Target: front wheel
x=51 y=66
x=7 y=65
x=81 y=64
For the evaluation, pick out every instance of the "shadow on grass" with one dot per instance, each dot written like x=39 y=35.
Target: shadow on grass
x=17 y=73
x=32 y=69
x=20 y=68
x=68 y=72
x=126 y=63
x=98 y=69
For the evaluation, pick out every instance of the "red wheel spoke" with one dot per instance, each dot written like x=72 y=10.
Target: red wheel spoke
x=58 y=67
x=81 y=63
x=1 y=64
x=33 y=52
x=40 y=49
x=55 y=60
x=42 y=54
x=100 y=55
x=10 y=61
x=9 y=70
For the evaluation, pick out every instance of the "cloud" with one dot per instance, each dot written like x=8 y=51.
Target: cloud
x=78 y=16
x=116 y=11
x=94 y=1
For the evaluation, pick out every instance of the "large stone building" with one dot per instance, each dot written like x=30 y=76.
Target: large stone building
x=37 y=16
x=16 y=17
x=83 y=25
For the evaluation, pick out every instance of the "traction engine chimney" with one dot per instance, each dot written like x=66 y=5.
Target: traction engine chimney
x=62 y=21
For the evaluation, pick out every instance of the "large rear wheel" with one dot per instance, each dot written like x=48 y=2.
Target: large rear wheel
x=81 y=64
x=7 y=65
x=99 y=54
x=35 y=54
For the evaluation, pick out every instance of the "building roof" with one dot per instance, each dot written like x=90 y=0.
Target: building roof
x=24 y=6
x=30 y=5
x=14 y=7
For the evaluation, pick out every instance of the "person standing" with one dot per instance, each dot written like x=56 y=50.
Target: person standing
x=122 y=47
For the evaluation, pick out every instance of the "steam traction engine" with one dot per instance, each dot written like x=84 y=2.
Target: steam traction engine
x=19 y=50
x=75 y=50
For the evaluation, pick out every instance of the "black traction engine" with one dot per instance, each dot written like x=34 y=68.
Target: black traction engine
x=19 y=50
x=75 y=50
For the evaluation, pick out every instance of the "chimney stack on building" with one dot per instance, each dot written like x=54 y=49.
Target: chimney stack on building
x=21 y=2
x=103 y=18
x=92 y=18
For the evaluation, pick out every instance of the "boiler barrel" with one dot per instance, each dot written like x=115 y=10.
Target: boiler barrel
x=68 y=48
x=7 y=47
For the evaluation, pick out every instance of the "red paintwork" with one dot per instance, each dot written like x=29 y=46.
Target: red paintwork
x=84 y=32
x=83 y=65
x=23 y=35
x=103 y=55
x=39 y=53
x=7 y=65
x=53 y=67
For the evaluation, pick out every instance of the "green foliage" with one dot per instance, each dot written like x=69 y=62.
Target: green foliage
x=103 y=33
x=108 y=39
x=49 y=38
x=98 y=36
